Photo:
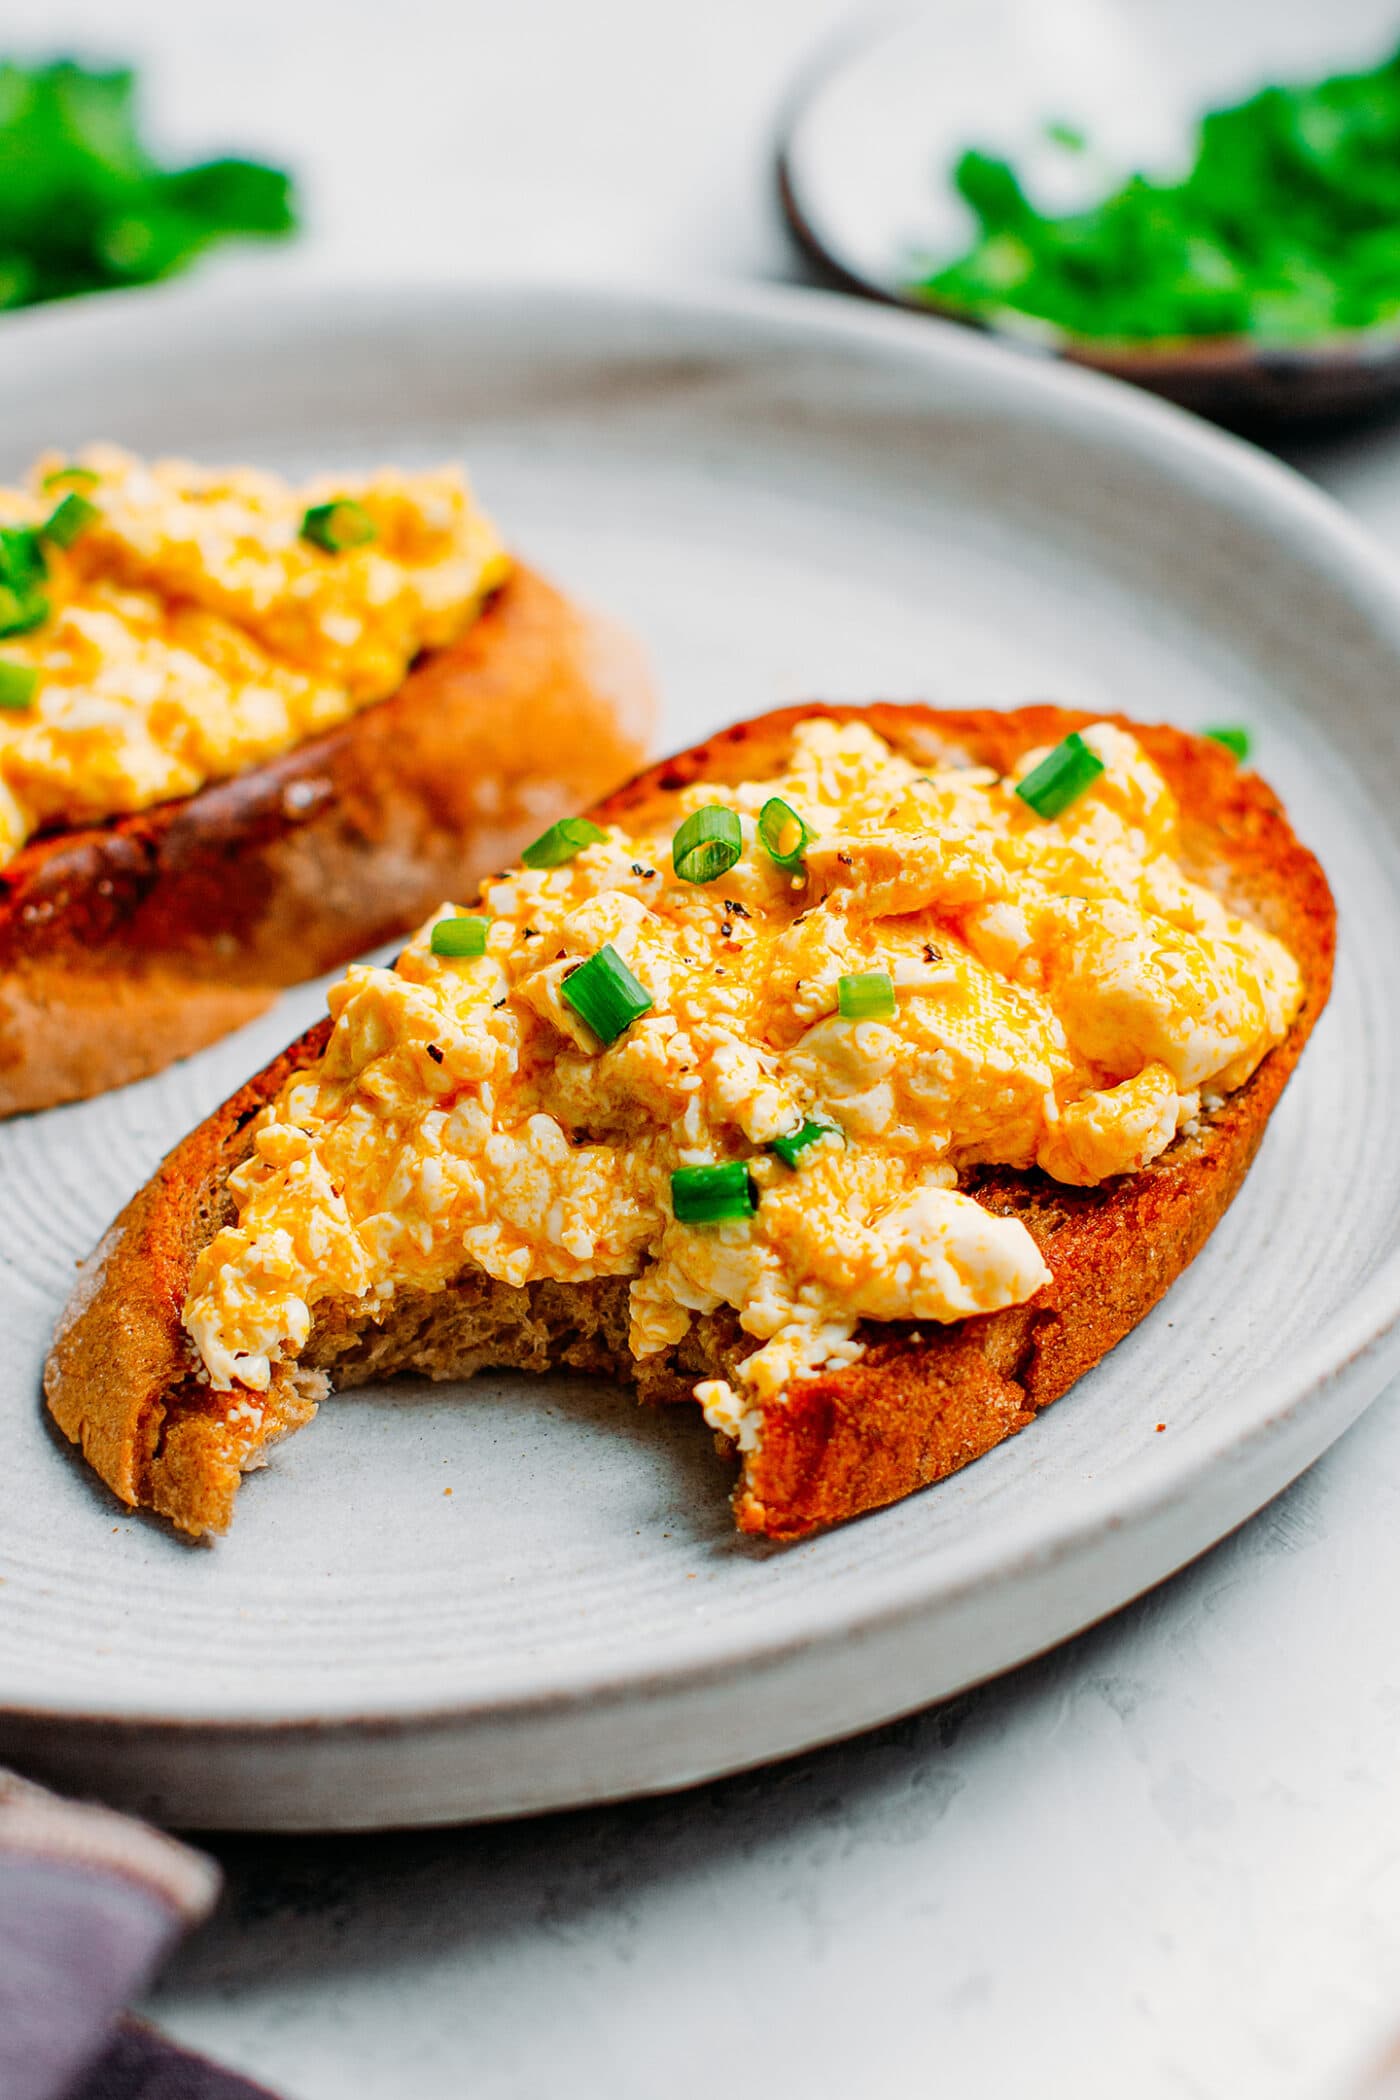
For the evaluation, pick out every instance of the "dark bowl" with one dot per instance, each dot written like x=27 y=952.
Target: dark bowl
x=889 y=73
x=1231 y=379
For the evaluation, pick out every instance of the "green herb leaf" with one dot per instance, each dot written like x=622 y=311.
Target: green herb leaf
x=84 y=205
x=1059 y=133
x=1285 y=227
x=233 y=197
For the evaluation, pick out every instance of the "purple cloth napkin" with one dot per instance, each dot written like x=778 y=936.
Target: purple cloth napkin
x=90 y=1904
x=140 y=2064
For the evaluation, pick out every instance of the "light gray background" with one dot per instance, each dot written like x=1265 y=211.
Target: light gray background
x=1165 y=1861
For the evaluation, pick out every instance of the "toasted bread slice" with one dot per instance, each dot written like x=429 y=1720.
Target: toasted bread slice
x=122 y=1380
x=127 y=944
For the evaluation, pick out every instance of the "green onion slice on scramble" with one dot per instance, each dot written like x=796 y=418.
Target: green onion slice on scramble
x=18 y=684
x=465 y=935
x=713 y=1195
x=866 y=995
x=561 y=842
x=604 y=993
x=784 y=836
x=70 y=477
x=707 y=844
x=338 y=526
x=69 y=520
x=1061 y=777
x=790 y=1148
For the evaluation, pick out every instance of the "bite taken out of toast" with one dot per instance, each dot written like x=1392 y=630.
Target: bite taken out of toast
x=246 y=735
x=862 y=1074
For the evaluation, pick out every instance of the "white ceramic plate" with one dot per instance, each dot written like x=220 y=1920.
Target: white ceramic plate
x=786 y=497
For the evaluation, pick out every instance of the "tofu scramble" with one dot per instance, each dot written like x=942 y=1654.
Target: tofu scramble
x=164 y=626
x=770 y=1100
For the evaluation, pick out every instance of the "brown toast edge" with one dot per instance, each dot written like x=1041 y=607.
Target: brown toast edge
x=922 y=1401
x=127 y=944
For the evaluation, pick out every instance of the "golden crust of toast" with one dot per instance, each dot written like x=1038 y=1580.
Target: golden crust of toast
x=922 y=1400
x=126 y=944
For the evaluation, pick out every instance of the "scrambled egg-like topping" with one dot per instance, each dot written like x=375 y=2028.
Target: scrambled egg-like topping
x=1063 y=994
x=191 y=631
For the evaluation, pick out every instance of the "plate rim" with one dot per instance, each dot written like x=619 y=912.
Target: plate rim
x=1227 y=474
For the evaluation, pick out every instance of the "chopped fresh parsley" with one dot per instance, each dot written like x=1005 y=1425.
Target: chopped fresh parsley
x=85 y=207
x=1285 y=226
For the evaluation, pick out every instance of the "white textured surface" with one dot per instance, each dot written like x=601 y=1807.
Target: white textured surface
x=1162 y=1862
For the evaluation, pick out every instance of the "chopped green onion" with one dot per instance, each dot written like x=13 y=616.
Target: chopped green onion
x=791 y=1147
x=71 y=518
x=1061 y=777
x=867 y=995
x=707 y=844
x=18 y=683
x=604 y=993
x=783 y=834
x=338 y=526
x=1236 y=740
x=461 y=936
x=76 y=477
x=21 y=613
x=713 y=1195
x=22 y=563
x=23 y=569
x=561 y=842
